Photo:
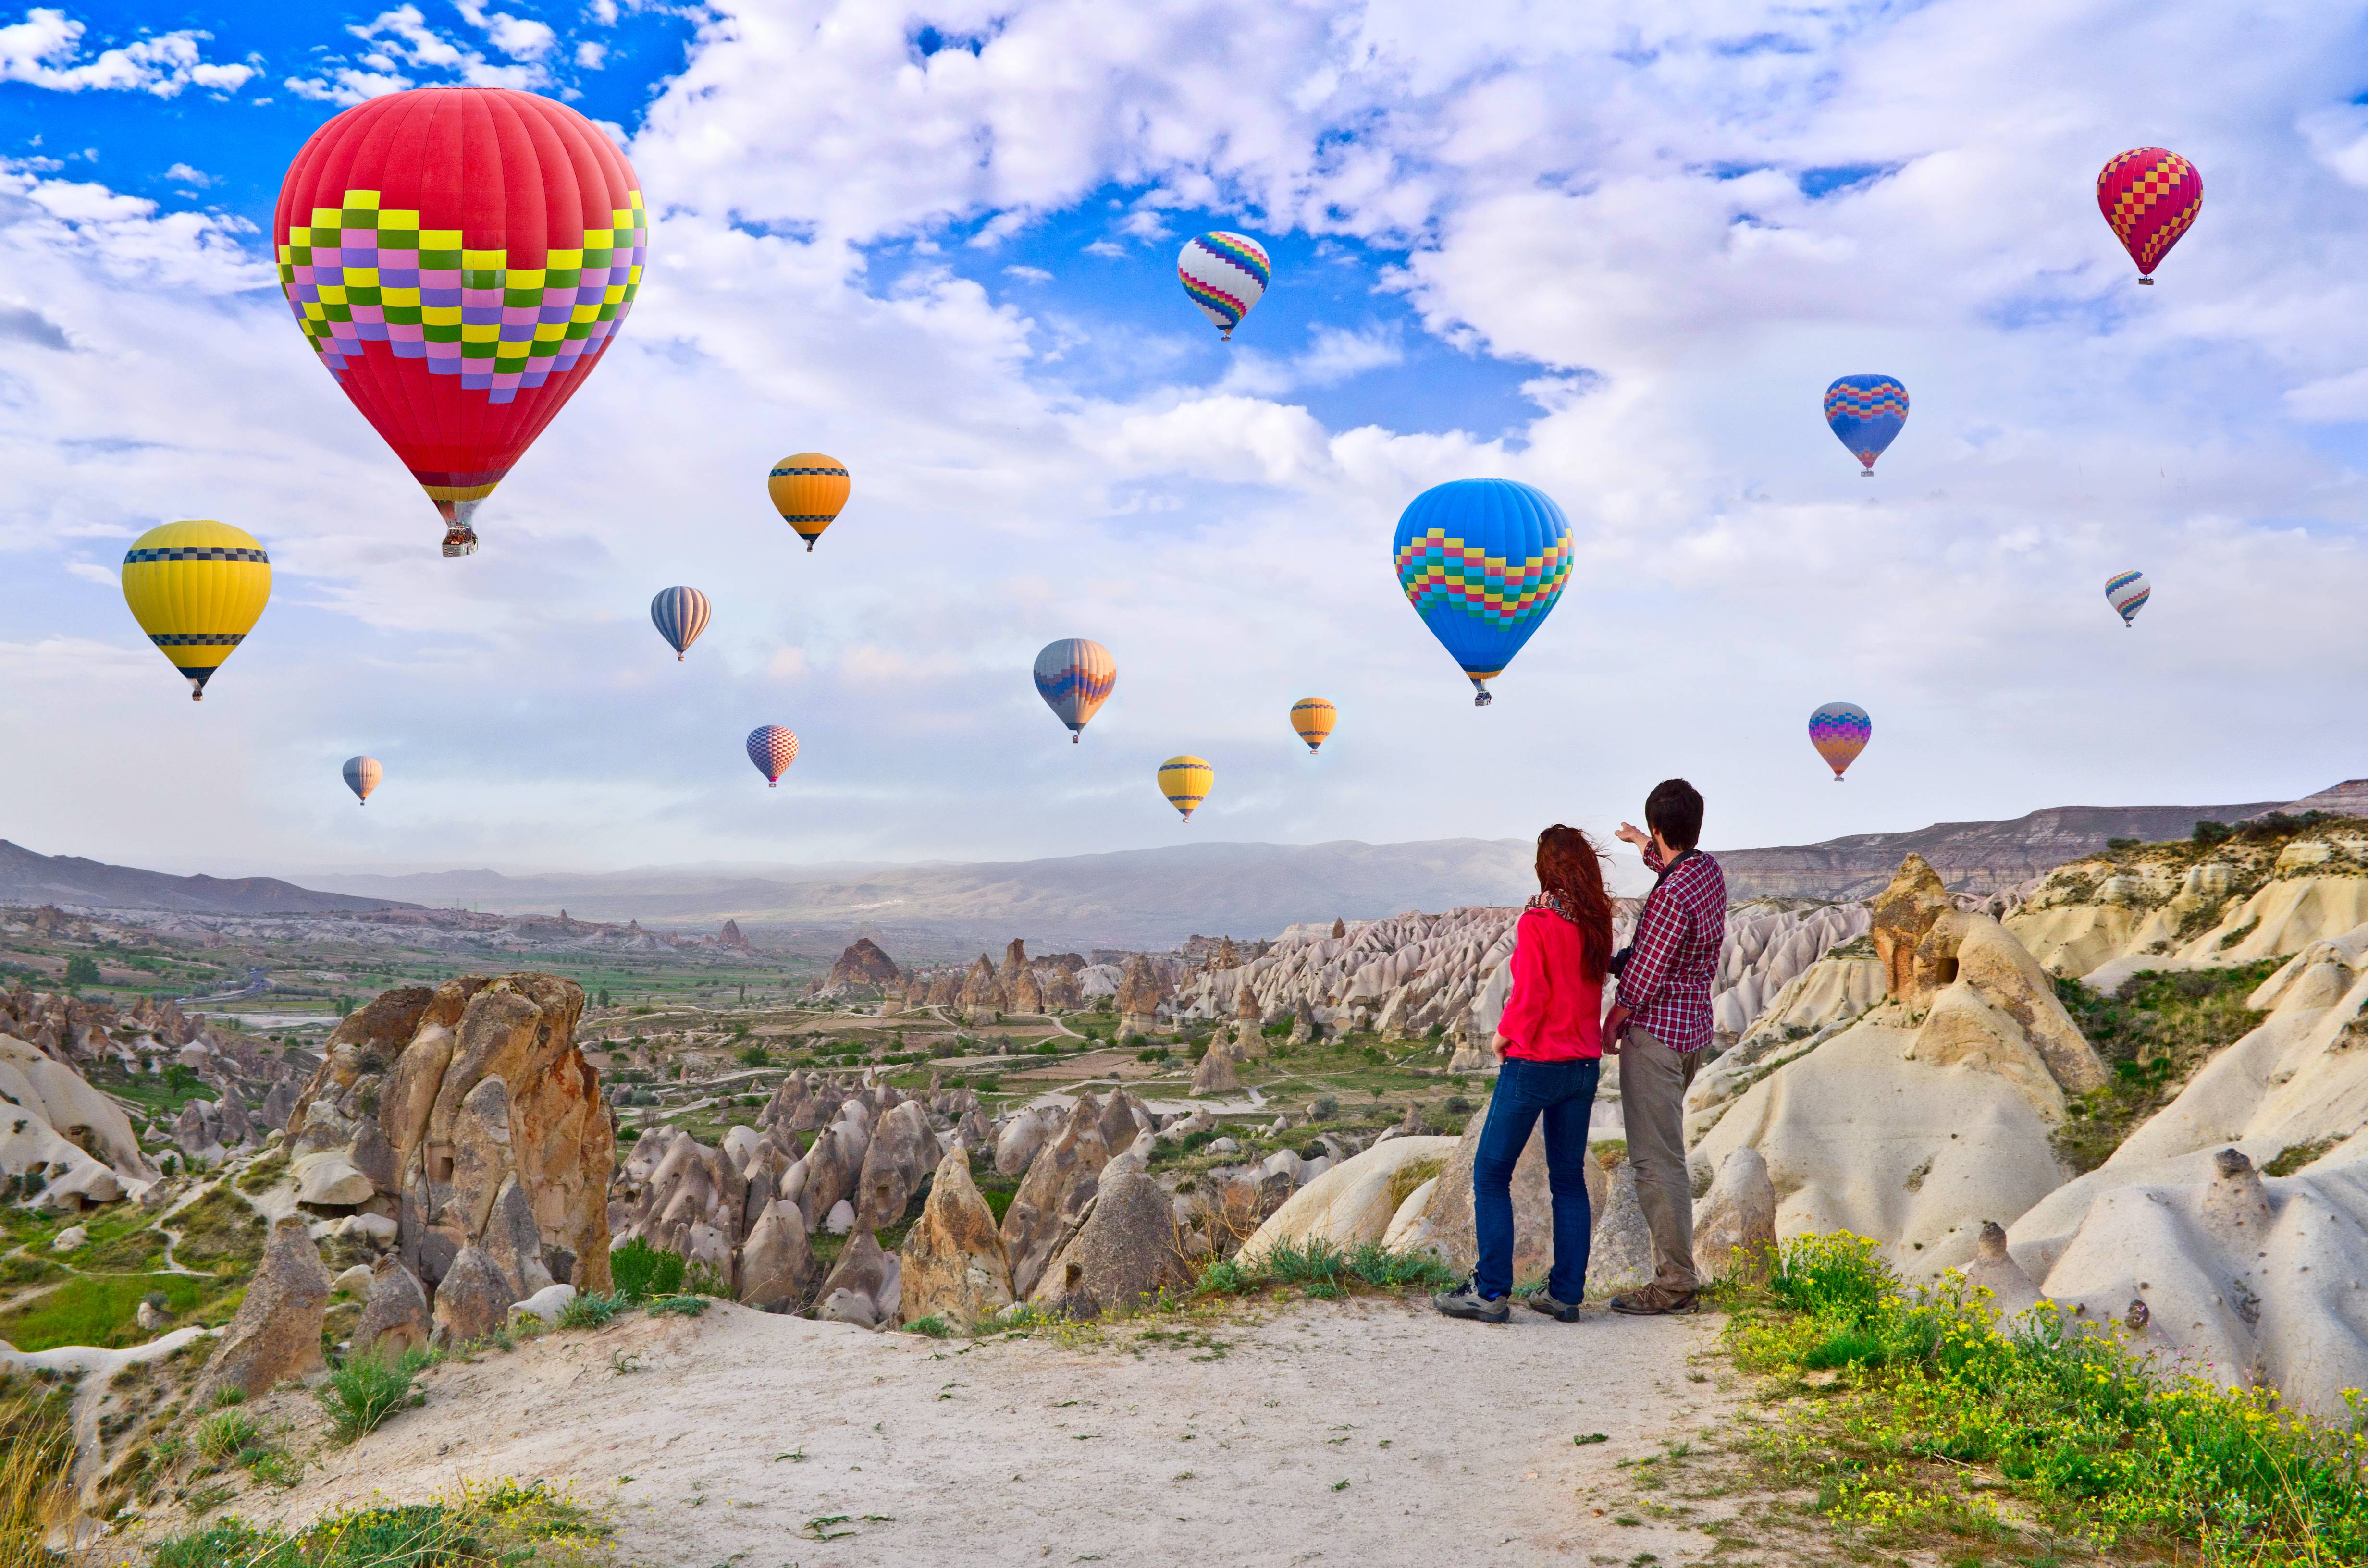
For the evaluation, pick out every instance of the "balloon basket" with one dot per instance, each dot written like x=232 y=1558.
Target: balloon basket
x=459 y=541
x=1482 y=700
x=1866 y=473
x=2145 y=283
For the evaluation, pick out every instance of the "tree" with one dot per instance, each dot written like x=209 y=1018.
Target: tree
x=81 y=970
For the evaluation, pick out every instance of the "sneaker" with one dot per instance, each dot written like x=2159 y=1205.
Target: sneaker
x=1466 y=1302
x=1561 y=1312
x=1653 y=1301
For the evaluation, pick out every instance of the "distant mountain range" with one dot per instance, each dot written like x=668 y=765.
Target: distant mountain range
x=1147 y=897
x=27 y=878
x=1972 y=856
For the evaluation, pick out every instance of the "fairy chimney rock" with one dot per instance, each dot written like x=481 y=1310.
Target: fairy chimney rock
x=1903 y=912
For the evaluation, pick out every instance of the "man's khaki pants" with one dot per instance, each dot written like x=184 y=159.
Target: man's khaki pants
x=1653 y=1083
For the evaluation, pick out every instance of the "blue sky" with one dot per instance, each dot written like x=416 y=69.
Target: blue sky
x=1617 y=252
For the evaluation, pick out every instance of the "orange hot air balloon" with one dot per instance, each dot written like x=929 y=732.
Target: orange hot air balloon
x=1313 y=717
x=809 y=490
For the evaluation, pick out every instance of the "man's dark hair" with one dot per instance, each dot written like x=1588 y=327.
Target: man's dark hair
x=1674 y=810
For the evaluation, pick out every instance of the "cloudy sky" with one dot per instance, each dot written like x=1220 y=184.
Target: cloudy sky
x=1615 y=250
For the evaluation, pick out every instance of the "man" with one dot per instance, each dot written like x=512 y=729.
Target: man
x=1658 y=1028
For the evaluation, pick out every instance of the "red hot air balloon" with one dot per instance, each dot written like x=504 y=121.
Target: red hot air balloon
x=460 y=257
x=2151 y=197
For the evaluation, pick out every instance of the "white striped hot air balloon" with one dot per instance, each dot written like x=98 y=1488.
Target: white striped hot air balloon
x=362 y=774
x=1224 y=274
x=1074 y=677
x=2128 y=594
x=680 y=615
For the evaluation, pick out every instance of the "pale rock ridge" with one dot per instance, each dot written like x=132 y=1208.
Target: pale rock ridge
x=53 y=1124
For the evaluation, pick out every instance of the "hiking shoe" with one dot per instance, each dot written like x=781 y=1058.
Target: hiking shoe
x=1653 y=1301
x=1561 y=1312
x=1466 y=1302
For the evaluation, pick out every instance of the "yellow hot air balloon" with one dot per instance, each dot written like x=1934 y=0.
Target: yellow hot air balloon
x=809 y=490
x=1313 y=718
x=1185 y=782
x=197 y=589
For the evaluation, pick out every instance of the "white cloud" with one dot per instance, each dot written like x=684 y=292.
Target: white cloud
x=184 y=174
x=591 y=55
x=1028 y=274
x=45 y=50
x=517 y=37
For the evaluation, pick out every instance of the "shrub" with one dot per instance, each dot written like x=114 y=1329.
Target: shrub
x=1456 y=1105
x=36 y=1462
x=590 y=1309
x=2096 y=1441
x=678 y=1306
x=1326 y=1108
x=483 y=1524
x=221 y=1436
x=365 y=1390
x=933 y=1327
x=641 y=1270
x=1155 y=1053
x=754 y=1056
x=2213 y=832
x=81 y=970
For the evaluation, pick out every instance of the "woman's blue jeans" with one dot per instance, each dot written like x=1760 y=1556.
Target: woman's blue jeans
x=1563 y=1093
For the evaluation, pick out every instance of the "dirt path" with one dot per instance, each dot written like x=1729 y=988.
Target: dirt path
x=1350 y=1432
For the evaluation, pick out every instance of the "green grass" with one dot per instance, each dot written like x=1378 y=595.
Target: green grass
x=360 y=1395
x=102 y=1309
x=1322 y=1269
x=2152 y=1032
x=639 y=1270
x=1937 y=1409
x=501 y=1524
x=590 y=1309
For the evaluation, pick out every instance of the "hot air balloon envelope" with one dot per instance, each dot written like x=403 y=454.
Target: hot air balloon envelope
x=1867 y=413
x=362 y=774
x=810 y=491
x=197 y=589
x=772 y=749
x=1483 y=561
x=680 y=615
x=2151 y=197
x=1074 y=676
x=1313 y=718
x=2128 y=594
x=1226 y=275
x=460 y=257
x=1840 y=732
x=1185 y=782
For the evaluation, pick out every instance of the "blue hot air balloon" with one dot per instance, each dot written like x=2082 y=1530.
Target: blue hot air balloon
x=1482 y=561
x=680 y=615
x=1867 y=413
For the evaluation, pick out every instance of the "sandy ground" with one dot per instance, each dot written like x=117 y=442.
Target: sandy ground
x=1347 y=1432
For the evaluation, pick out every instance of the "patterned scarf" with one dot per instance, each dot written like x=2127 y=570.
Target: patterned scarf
x=1552 y=903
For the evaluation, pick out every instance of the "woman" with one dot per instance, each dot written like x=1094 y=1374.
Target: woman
x=1552 y=1041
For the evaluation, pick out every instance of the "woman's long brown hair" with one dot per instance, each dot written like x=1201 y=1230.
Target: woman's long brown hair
x=1571 y=868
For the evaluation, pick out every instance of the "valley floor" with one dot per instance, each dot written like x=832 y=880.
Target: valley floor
x=1356 y=1431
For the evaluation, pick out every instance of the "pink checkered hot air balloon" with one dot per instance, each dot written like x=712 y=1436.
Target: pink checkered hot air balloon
x=772 y=749
x=1840 y=732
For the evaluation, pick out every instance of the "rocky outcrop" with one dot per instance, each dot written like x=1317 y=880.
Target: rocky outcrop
x=1620 y=1254
x=1442 y=1222
x=276 y=1335
x=900 y=1155
x=73 y=1141
x=1928 y=1116
x=865 y=1286
x=466 y=1115
x=1355 y=1201
x=777 y=1265
x=1125 y=1251
x=953 y=1265
x=1141 y=990
x=1216 y=1074
x=1054 y=1194
x=862 y=971
x=395 y=1315
x=1734 y=1222
x=472 y=1300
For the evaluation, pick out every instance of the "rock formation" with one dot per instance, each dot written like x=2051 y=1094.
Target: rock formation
x=277 y=1333
x=864 y=1286
x=1216 y=1074
x=57 y=1130
x=1124 y=1250
x=1735 y=1223
x=862 y=972
x=1060 y=1184
x=953 y=1265
x=1353 y=1201
x=468 y=1116
x=1440 y=1222
x=395 y=1315
x=1140 y=993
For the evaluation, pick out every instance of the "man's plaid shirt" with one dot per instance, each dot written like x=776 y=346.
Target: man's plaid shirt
x=1674 y=959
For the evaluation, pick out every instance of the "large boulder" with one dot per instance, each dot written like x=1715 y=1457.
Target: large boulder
x=1354 y=1200
x=899 y=1156
x=777 y=1262
x=1735 y=1223
x=1053 y=1194
x=1901 y=915
x=472 y=1302
x=1126 y=1250
x=276 y=1335
x=1620 y=1253
x=1216 y=1073
x=56 y=1125
x=954 y=1262
x=1023 y=1135
x=396 y=1316
x=864 y=1286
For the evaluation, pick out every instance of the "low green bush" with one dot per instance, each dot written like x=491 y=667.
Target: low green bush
x=1940 y=1401
x=221 y=1436
x=367 y=1388
x=501 y=1524
x=639 y=1270
x=678 y=1306
x=591 y=1309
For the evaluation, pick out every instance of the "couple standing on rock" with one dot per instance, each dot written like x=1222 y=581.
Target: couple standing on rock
x=1555 y=1034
